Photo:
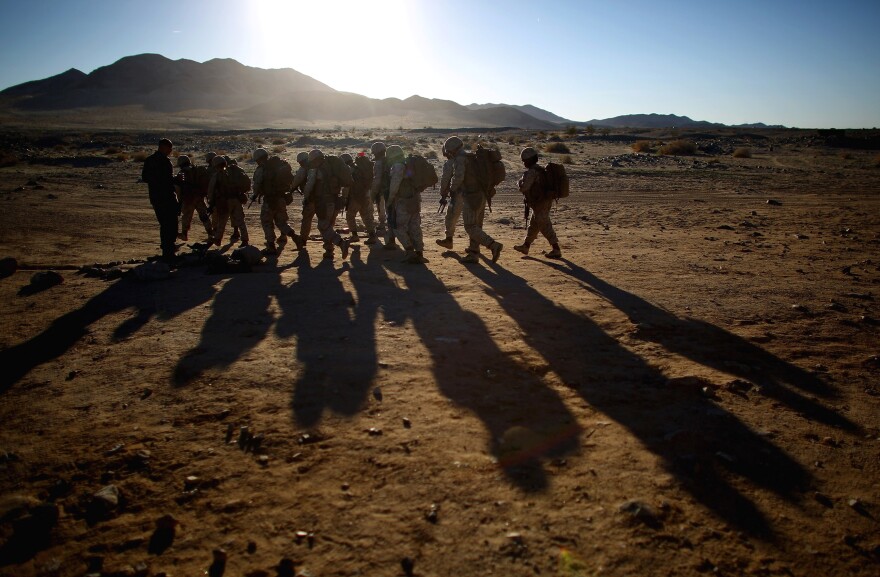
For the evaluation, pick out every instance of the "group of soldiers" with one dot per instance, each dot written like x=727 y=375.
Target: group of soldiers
x=217 y=193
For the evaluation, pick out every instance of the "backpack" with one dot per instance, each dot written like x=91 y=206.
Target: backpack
x=555 y=181
x=421 y=173
x=239 y=181
x=338 y=171
x=490 y=171
x=362 y=173
x=278 y=175
x=201 y=178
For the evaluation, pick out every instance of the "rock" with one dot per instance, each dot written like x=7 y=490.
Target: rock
x=515 y=537
x=640 y=512
x=252 y=547
x=107 y=497
x=190 y=483
x=244 y=438
x=799 y=308
x=146 y=393
x=823 y=499
x=42 y=281
x=408 y=565
x=377 y=394
x=163 y=536
x=218 y=565
x=152 y=271
x=115 y=449
x=432 y=515
x=8 y=266
x=374 y=432
x=263 y=460
x=773 y=202
x=309 y=438
x=407 y=424
x=255 y=444
x=725 y=227
x=286 y=568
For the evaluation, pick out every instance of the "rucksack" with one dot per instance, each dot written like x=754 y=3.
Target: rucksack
x=490 y=170
x=239 y=181
x=338 y=172
x=362 y=173
x=555 y=181
x=421 y=173
x=201 y=178
x=278 y=175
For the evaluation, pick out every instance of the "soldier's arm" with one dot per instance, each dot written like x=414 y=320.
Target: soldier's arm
x=397 y=172
x=258 y=183
x=528 y=181
x=458 y=168
x=311 y=180
x=147 y=172
x=446 y=178
x=299 y=179
x=377 y=180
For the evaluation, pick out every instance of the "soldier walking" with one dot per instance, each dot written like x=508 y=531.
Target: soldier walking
x=273 y=211
x=158 y=173
x=406 y=203
x=320 y=185
x=531 y=185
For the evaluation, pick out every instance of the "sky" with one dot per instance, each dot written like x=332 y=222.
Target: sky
x=807 y=64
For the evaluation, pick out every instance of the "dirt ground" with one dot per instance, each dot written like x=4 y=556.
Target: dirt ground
x=692 y=389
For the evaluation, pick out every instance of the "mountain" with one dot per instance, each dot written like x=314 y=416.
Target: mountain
x=652 y=121
x=534 y=111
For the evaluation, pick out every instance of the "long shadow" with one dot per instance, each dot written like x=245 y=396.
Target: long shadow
x=708 y=449
x=527 y=422
x=714 y=347
x=239 y=320
x=335 y=347
x=162 y=299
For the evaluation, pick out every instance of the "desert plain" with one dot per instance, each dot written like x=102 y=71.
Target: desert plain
x=691 y=390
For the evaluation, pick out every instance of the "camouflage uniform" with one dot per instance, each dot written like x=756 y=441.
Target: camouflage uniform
x=455 y=203
x=474 y=209
x=358 y=202
x=317 y=191
x=407 y=205
x=273 y=212
x=529 y=186
x=192 y=201
x=379 y=195
x=227 y=207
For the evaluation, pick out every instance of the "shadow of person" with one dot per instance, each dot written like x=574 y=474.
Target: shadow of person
x=709 y=450
x=712 y=346
x=526 y=421
x=160 y=299
x=240 y=319
x=333 y=344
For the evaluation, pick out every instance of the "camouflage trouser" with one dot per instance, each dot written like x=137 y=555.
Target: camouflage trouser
x=325 y=210
x=473 y=213
x=359 y=203
x=305 y=228
x=453 y=212
x=540 y=223
x=408 y=212
x=230 y=209
x=190 y=204
x=274 y=213
x=380 y=207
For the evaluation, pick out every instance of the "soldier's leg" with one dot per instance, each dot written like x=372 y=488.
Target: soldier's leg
x=402 y=217
x=365 y=209
x=326 y=212
x=267 y=222
x=383 y=213
x=453 y=213
x=221 y=217
x=308 y=215
x=202 y=211
x=237 y=216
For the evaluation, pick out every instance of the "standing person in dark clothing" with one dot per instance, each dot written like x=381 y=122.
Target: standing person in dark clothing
x=158 y=173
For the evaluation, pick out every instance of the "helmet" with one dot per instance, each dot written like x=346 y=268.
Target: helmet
x=394 y=151
x=315 y=155
x=260 y=154
x=528 y=153
x=452 y=144
x=210 y=156
x=377 y=148
x=302 y=157
x=346 y=158
x=183 y=160
x=218 y=161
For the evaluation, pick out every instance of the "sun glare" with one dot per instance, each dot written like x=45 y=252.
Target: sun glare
x=346 y=44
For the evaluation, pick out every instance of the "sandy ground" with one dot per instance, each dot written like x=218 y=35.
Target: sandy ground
x=691 y=390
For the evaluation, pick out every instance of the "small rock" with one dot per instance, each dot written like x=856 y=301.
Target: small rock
x=286 y=568
x=855 y=504
x=252 y=547
x=374 y=432
x=163 y=536
x=263 y=460
x=230 y=429
x=146 y=393
x=8 y=266
x=107 y=497
x=300 y=535
x=639 y=511
x=773 y=202
x=377 y=394
x=218 y=565
x=823 y=499
x=408 y=565
x=515 y=537
x=115 y=449
x=244 y=437
x=432 y=515
x=190 y=483
x=407 y=424
x=799 y=307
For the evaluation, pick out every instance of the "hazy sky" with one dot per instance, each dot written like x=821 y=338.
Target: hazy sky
x=798 y=63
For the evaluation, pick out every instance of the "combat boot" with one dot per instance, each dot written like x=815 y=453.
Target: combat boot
x=282 y=242
x=183 y=236
x=328 y=254
x=523 y=248
x=556 y=252
x=496 y=247
x=471 y=258
x=236 y=236
x=409 y=256
x=344 y=245
x=417 y=258
x=372 y=239
x=390 y=245
x=299 y=241
x=445 y=242
x=270 y=250
x=354 y=237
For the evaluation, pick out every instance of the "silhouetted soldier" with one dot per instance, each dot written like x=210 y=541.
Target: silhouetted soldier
x=158 y=173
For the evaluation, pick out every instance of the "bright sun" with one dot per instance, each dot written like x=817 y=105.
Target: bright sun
x=343 y=43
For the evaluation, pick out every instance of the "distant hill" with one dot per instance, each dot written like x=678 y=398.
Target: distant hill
x=152 y=90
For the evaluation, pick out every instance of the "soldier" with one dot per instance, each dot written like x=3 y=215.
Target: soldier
x=236 y=233
x=320 y=186
x=158 y=173
x=226 y=201
x=379 y=192
x=357 y=197
x=274 y=209
x=531 y=186
x=453 y=205
x=464 y=181
x=308 y=205
x=192 y=186
x=406 y=202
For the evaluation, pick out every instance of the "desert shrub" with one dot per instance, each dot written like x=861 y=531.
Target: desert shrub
x=111 y=150
x=604 y=131
x=431 y=155
x=278 y=149
x=140 y=156
x=368 y=134
x=591 y=130
x=742 y=152
x=243 y=157
x=541 y=134
x=643 y=146
x=678 y=148
x=558 y=148
x=121 y=157
x=7 y=158
x=554 y=138
x=571 y=130
x=175 y=153
x=277 y=141
x=567 y=159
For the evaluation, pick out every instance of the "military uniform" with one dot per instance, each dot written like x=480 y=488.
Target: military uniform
x=465 y=182
x=228 y=207
x=192 y=201
x=530 y=187
x=318 y=188
x=273 y=211
x=454 y=203
x=358 y=202
x=406 y=202
x=379 y=191
x=308 y=205
x=158 y=173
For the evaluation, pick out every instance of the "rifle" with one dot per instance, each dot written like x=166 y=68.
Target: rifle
x=526 y=212
x=443 y=202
